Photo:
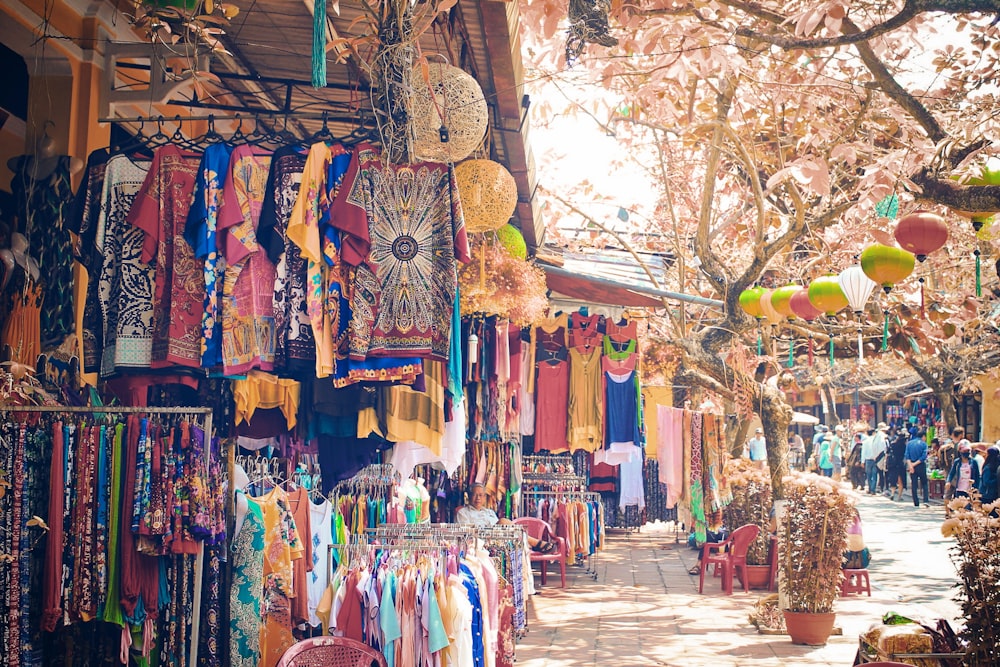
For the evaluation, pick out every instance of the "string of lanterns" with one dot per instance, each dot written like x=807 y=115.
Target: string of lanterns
x=918 y=234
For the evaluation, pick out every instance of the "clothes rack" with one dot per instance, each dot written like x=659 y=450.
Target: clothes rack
x=206 y=415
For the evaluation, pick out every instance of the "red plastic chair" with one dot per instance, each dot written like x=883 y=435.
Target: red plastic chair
x=729 y=556
x=331 y=652
x=540 y=530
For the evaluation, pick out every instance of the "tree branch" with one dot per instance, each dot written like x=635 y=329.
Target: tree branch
x=970 y=198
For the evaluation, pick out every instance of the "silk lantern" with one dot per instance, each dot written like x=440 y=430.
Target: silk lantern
x=921 y=233
x=750 y=301
x=886 y=265
x=987 y=176
x=857 y=287
x=781 y=300
x=826 y=294
x=770 y=314
x=803 y=307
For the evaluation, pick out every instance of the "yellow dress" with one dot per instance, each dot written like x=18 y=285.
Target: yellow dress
x=263 y=390
x=282 y=545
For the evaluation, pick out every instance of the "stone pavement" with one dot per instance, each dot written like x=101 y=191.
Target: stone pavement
x=644 y=609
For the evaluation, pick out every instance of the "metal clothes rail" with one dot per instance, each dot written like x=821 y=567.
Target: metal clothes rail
x=206 y=413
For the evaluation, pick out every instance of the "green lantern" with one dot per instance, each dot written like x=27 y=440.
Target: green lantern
x=826 y=294
x=887 y=265
x=512 y=240
x=781 y=300
x=750 y=301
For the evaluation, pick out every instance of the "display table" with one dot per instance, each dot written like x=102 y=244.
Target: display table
x=936 y=488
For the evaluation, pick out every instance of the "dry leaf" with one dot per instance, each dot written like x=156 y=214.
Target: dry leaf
x=38 y=521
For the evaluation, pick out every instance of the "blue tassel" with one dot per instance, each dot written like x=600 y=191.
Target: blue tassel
x=319 y=44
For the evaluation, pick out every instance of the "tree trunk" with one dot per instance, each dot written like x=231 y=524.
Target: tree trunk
x=776 y=415
x=738 y=437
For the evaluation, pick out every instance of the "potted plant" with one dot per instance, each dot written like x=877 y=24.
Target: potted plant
x=751 y=489
x=812 y=536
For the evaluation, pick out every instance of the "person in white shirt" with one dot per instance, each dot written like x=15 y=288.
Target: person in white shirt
x=757 y=447
x=478 y=514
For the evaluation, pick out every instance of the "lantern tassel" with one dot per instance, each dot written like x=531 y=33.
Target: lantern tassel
x=810 y=350
x=885 y=332
x=979 y=282
x=923 y=313
x=760 y=343
x=319 y=44
x=861 y=347
x=831 y=351
x=791 y=352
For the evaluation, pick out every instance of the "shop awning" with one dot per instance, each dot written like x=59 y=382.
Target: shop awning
x=804 y=418
x=599 y=290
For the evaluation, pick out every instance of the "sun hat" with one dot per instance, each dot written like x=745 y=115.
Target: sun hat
x=964 y=445
x=882 y=426
x=758 y=430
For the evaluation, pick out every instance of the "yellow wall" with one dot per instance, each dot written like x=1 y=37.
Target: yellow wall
x=653 y=396
x=990 y=409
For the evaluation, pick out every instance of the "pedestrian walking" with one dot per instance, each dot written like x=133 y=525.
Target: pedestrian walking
x=837 y=450
x=757 y=447
x=796 y=451
x=988 y=490
x=916 y=464
x=872 y=449
x=964 y=473
x=824 y=459
x=895 y=466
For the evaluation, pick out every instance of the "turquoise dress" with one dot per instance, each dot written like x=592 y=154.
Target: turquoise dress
x=248 y=585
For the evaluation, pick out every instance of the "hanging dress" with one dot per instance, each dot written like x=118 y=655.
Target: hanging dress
x=248 y=336
x=248 y=584
x=586 y=407
x=551 y=402
x=125 y=283
x=160 y=210
x=42 y=204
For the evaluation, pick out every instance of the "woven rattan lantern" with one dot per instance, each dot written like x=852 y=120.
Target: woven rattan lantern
x=448 y=114
x=488 y=192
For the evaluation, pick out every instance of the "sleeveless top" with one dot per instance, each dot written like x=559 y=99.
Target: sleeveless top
x=586 y=407
x=552 y=397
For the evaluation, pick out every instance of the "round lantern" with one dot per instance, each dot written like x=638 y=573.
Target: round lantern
x=857 y=287
x=781 y=300
x=802 y=306
x=750 y=301
x=886 y=265
x=770 y=314
x=512 y=240
x=921 y=233
x=825 y=293
x=988 y=176
x=488 y=193
x=447 y=112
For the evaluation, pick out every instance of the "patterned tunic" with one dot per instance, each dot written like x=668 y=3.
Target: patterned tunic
x=160 y=210
x=294 y=346
x=125 y=282
x=200 y=233
x=404 y=229
x=248 y=584
x=248 y=336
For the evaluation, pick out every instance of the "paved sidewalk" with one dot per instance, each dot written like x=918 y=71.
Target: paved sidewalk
x=644 y=609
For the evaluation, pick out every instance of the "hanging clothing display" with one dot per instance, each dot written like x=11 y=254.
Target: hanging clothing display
x=404 y=230
x=41 y=206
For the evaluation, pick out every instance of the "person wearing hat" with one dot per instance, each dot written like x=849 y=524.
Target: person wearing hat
x=964 y=473
x=757 y=447
x=916 y=463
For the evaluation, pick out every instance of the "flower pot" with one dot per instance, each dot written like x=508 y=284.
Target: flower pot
x=808 y=628
x=759 y=576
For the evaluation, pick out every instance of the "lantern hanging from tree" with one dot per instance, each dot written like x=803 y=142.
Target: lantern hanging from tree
x=921 y=233
x=448 y=113
x=770 y=314
x=488 y=193
x=826 y=294
x=512 y=240
x=988 y=175
x=886 y=265
x=750 y=301
x=803 y=307
x=781 y=300
x=857 y=287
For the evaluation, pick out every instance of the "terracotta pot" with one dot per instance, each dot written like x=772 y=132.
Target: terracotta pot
x=759 y=576
x=808 y=628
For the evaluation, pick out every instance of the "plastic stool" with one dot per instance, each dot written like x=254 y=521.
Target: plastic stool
x=855 y=581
